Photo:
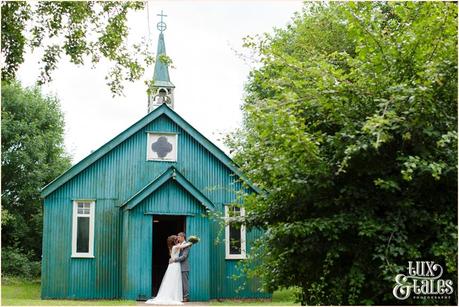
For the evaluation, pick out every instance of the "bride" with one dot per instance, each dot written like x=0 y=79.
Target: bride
x=170 y=291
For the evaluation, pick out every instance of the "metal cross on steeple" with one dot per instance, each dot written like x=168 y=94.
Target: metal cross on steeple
x=162 y=89
x=161 y=26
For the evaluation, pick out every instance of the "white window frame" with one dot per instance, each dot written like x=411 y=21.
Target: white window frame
x=174 y=159
x=90 y=253
x=243 y=254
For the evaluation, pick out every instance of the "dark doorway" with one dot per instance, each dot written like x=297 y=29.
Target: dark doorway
x=163 y=227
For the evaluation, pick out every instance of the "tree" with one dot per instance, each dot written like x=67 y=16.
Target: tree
x=82 y=30
x=32 y=155
x=350 y=125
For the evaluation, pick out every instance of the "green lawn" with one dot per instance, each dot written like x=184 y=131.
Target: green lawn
x=27 y=293
x=280 y=298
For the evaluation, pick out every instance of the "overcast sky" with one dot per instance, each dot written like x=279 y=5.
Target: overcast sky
x=200 y=38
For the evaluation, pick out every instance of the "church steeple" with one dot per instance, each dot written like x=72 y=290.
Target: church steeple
x=163 y=88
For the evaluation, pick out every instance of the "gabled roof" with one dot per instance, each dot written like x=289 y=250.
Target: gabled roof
x=170 y=174
x=106 y=148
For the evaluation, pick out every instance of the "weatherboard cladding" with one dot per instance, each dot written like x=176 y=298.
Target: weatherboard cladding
x=111 y=180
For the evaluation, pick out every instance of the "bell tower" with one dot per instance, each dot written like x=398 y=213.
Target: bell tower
x=162 y=89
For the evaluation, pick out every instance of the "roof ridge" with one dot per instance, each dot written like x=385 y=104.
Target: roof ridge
x=164 y=109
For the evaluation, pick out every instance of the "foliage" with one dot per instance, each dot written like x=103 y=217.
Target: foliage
x=32 y=155
x=350 y=125
x=16 y=263
x=193 y=239
x=85 y=31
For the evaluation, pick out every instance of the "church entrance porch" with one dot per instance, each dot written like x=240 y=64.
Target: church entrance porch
x=163 y=227
x=167 y=205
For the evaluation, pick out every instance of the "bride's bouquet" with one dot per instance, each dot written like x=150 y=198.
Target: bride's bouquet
x=193 y=239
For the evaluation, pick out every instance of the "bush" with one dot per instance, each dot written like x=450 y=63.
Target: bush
x=17 y=263
x=286 y=294
x=350 y=126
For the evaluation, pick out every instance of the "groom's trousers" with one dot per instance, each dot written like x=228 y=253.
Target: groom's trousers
x=185 y=286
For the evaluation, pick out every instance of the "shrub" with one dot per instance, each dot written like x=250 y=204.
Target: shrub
x=16 y=263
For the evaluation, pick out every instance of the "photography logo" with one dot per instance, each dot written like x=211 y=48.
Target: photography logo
x=423 y=281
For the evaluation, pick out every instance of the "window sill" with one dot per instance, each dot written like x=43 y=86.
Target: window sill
x=160 y=160
x=82 y=256
x=236 y=258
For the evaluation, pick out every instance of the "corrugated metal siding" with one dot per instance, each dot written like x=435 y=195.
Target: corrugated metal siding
x=232 y=287
x=124 y=283
x=56 y=251
x=68 y=277
x=108 y=241
x=112 y=180
x=138 y=262
x=174 y=200
x=199 y=258
x=224 y=286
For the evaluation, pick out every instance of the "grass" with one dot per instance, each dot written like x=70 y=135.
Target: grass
x=27 y=293
x=285 y=297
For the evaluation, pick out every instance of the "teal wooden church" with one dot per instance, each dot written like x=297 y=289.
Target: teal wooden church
x=106 y=219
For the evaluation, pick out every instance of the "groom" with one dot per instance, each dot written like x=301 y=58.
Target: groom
x=183 y=259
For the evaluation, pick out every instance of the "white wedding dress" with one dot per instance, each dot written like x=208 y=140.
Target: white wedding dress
x=170 y=291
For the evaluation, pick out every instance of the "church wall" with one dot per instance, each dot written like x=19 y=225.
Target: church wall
x=112 y=180
x=223 y=270
x=56 y=250
x=241 y=287
x=66 y=277
x=199 y=258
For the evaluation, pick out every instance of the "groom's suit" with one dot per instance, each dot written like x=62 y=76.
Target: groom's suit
x=183 y=259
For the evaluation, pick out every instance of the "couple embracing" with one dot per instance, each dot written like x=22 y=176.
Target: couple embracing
x=174 y=287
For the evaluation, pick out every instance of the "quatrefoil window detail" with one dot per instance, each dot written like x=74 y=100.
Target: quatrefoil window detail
x=162 y=147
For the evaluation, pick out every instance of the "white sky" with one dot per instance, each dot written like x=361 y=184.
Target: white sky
x=208 y=75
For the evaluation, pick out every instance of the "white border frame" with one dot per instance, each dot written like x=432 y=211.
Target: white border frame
x=243 y=254
x=90 y=253
x=163 y=133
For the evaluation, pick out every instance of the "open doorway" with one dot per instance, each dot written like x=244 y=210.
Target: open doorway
x=163 y=226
